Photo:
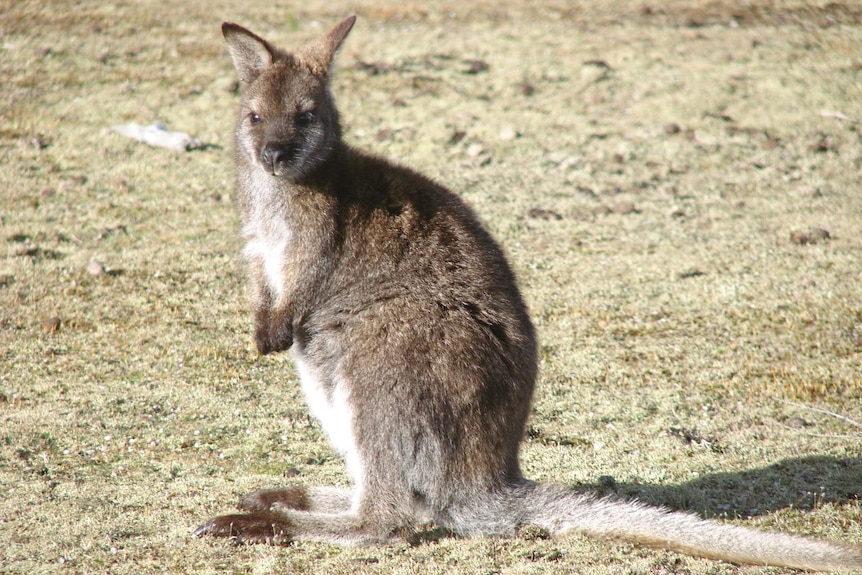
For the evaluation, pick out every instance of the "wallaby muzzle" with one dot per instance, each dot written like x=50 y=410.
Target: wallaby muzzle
x=278 y=156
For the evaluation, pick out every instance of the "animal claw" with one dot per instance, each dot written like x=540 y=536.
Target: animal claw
x=205 y=529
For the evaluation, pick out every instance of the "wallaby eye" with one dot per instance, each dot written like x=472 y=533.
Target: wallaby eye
x=305 y=118
x=254 y=118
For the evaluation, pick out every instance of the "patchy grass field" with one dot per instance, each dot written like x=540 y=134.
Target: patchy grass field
x=677 y=185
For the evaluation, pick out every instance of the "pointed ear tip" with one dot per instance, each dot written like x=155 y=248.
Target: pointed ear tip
x=349 y=21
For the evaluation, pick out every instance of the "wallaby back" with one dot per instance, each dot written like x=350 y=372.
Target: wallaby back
x=413 y=344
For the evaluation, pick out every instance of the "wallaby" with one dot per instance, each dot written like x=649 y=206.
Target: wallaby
x=413 y=344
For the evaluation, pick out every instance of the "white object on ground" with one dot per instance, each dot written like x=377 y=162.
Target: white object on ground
x=158 y=136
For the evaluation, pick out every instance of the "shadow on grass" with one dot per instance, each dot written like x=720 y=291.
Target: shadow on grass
x=801 y=483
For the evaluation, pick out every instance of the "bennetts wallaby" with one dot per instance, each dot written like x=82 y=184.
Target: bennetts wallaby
x=413 y=344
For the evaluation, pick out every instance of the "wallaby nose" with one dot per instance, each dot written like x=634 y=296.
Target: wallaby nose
x=275 y=153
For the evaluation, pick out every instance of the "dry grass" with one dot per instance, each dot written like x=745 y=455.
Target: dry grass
x=645 y=168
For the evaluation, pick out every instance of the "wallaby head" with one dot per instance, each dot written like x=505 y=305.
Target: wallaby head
x=288 y=121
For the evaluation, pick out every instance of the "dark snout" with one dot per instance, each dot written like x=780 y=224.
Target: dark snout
x=277 y=156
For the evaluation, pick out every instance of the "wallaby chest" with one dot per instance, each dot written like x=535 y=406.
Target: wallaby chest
x=288 y=234
x=269 y=244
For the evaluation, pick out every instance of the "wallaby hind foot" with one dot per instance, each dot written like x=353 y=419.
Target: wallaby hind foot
x=277 y=516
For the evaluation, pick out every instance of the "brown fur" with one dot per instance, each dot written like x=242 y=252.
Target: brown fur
x=414 y=347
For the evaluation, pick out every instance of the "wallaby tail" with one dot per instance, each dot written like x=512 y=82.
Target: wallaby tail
x=560 y=510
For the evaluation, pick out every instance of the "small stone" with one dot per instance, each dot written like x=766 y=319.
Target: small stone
x=813 y=192
x=820 y=233
x=602 y=210
x=95 y=268
x=51 y=325
x=586 y=193
x=771 y=142
x=475 y=149
x=796 y=423
x=672 y=128
x=372 y=68
x=292 y=472
x=690 y=273
x=37 y=142
x=543 y=214
x=526 y=88
x=457 y=136
x=624 y=208
x=104 y=233
x=812 y=236
x=799 y=238
x=508 y=134
x=476 y=66
x=384 y=134
x=823 y=143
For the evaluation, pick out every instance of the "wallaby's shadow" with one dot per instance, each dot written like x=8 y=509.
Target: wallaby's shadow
x=802 y=483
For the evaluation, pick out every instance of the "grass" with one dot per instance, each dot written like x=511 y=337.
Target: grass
x=645 y=169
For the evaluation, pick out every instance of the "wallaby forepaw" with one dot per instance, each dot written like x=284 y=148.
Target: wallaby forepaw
x=274 y=499
x=272 y=336
x=250 y=528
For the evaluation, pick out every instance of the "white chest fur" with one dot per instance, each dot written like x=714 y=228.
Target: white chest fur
x=331 y=406
x=269 y=244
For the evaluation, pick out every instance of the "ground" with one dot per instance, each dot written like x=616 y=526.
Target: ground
x=677 y=185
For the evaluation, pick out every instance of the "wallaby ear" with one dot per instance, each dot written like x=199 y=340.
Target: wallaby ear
x=251 y=54
x=319 y=54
